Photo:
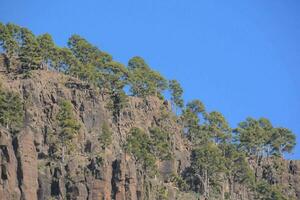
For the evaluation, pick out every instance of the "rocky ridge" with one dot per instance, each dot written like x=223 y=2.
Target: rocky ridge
x=29 y=172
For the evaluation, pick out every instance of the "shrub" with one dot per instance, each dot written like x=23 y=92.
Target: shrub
x=11 y=110
x=105 y=138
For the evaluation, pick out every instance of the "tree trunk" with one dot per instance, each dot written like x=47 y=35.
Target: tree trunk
x=206 y=188
x=223 y=189
x=208 y=191
x=63 y=154
x=231 y=185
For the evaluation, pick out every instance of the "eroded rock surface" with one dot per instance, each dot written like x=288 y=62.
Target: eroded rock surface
x=28 y=171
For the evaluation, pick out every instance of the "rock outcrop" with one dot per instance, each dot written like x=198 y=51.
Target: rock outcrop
x=29 y=172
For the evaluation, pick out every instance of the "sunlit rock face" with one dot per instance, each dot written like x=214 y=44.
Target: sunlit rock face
x=30 y=171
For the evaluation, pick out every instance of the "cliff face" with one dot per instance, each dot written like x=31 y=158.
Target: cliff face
x=27 y=170
x=91 y=172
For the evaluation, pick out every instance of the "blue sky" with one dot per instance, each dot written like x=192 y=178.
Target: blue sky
x=239 y=57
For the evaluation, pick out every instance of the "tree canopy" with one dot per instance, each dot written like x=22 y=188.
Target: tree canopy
x=176 y=93
x=143 y=80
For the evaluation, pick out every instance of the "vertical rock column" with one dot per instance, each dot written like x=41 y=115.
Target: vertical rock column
x=28 y=165
x=9 y=188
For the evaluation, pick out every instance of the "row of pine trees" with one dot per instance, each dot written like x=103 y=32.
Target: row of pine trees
x=219 y=153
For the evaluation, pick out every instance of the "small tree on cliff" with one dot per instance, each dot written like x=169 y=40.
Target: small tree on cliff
x=105 y=138
x=114 y=77
x=160 y=142
x=68 y=124
x=11 y=109
x=206 y=164
x=139 y=144
x=176 y=94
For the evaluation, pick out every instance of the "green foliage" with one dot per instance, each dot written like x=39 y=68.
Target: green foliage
x=196 y=107
x=251 y=136
x=118 y=102
x=176 y=93
x=282 y=140
x=147 y=149
x=142 y=80
x=115 y=76
x=191 y=118
x=67 y=121
x=90 y=60
x=179 y=182
x=236 y=165
x=66 y=62
x=47 y=48
x=105 y=138
x=27 y=74
x=259 y=138
x=84 y=51
x=68 y=125
x=217 y=127
x=207 y=163
x=20 y=43
x=160 y=141
x=208 y=158
x=10 y=42
x=97 y=68
x=162 y=193
x=9 y=36
x=11 y=109
x=30 y=53
x=265 y=191
x=139 y=144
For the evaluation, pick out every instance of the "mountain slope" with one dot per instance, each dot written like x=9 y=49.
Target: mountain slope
x=30 y=170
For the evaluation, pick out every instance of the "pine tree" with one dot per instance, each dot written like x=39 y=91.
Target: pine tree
x=207 y=164
x=282 y=141
x=30 y=53
x=10 y=42
x=176 y=94
x=114 y=77
x=105 y=138
x=191 y=117
x=139 y=144
x=196 y=106
x=217 y=127
x=84 y=51
x=48 y=50
x=68 y=124
x=66 y=62
x=143 y=81
x=160 y=141
x=11 y=110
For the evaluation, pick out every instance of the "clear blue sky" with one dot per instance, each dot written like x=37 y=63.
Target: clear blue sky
x=241 y=58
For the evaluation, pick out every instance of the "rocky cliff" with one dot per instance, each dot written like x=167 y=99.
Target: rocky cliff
x=29 y=171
